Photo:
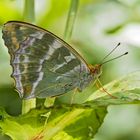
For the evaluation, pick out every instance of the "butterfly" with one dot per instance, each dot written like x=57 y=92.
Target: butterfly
x=43 y=64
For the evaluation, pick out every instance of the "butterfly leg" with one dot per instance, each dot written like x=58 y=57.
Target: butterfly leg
x=99 y=85
x=49 y=101
x=73 y=95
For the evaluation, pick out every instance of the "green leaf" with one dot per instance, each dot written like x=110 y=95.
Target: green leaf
x=86 y=125
x=125 y=89
x=64 y=123
x=75 y=123
x=22 y=127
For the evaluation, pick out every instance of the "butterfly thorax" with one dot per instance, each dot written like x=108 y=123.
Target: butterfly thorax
x=95 y=70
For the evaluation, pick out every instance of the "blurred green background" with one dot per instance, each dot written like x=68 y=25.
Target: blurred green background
x=99 y=26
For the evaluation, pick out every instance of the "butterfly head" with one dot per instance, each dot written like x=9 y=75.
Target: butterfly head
x=96 y=70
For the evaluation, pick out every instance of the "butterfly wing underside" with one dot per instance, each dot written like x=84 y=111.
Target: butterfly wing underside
x=43 y=64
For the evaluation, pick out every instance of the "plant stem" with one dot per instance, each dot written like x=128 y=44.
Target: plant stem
x=29 y=15
x=71 y=19
x=29 y=11
x=27 y=105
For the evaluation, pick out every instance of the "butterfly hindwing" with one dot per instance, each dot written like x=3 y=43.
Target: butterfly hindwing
x=43 y=64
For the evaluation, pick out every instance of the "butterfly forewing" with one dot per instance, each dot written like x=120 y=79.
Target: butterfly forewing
x=43 y=64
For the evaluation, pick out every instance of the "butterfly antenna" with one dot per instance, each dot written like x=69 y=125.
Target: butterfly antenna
x=114 y=58
x=111 y=51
